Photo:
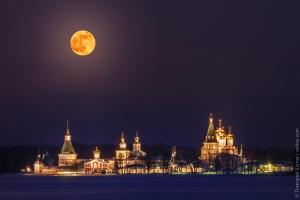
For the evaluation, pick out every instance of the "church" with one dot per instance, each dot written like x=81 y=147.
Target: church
x=67 y=156
x=218 y=147
x=68 y=163
x=98 y=164
x=132 y=162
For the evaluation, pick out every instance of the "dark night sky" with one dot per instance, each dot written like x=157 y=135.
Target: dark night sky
x=160 y=67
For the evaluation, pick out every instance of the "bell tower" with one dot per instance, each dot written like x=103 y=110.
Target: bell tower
x=67 y=156
x=209 y=148
x=136 y=145
x=96 y=153
x=122 y=153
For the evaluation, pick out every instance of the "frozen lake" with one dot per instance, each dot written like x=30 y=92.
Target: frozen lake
x=146 y=187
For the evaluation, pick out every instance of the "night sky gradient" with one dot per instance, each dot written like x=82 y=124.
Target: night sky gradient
x=159 y=67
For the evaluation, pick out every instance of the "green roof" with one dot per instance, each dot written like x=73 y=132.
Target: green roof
x=67 y=148
x=211 y=135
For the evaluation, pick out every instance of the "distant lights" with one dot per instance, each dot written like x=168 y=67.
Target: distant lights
x=28 y=169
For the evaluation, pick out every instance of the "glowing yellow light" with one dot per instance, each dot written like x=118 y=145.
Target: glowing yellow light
x=269 y=165
x=83 y=43
x=28 y=169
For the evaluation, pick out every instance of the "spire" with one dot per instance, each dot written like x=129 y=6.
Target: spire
x=136 y=139
x=210 y=135
x=96 y=153
x=229 y=130
x=173 y=151
x=136 y=145
x=68 y=130
x=67 y=135
x=122 y=137
x=173 y=155
x=211 y=118
x=67 y=147
x=220 y=123
x=122 y=144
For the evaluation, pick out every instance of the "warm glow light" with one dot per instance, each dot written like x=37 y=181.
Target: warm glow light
x=83 y=43
x=269 y=165
x=28 y=169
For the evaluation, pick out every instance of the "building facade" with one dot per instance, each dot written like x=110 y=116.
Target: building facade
x=130 y=161
x=136 y=163
x=218 y=147
x=98 y=165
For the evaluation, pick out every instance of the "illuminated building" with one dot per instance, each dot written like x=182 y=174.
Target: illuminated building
x=67 y=156
x=38 y=165
x=136 y=147
x=219 y=144
x=98 y=165
x=130 y=161
x=136 y=161
x=40 y=168
x=122 y=153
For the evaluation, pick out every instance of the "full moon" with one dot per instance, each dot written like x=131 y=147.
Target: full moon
x=83 y=43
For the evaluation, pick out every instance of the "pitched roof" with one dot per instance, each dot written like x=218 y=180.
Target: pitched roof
x=67 y=148
x=211 y=135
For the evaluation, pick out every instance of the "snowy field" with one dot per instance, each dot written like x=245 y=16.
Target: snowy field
x=145 y=187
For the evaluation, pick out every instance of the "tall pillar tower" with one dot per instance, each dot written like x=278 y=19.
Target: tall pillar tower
x=96 y=153
x=136 y=145
x=209 y=148
x=67 y=156
x=122 y=153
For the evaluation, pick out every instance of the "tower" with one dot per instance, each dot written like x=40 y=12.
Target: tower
x=221 y=136
x=38 y=165
x=136 y=145
x=210 y=134
x=122 y=144
x=96 y=153
x=229 y=137
x=173 y=155
x=209 y=149
x=136 y=148
x=67 y=156
x=122 y=153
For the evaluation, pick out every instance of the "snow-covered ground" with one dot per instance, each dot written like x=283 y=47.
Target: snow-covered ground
x=146 y=187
